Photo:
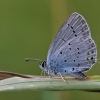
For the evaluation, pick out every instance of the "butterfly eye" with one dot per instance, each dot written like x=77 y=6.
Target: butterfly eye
x=43 y=64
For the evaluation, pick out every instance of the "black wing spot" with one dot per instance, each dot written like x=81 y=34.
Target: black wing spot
x=78 y=52
x=65 y=70
x=77 y=48
x=78 y=64
x=65 y=60
x=73 y=31
x=92 y=58
x=89 y=41
x=68 y=24
x=75 y=35
x=90 y=52
x=60 y=52
x=69 y=44
x=71 y=27
x=70 y=48
x=74 y=60
x=93 y=45
x=72 y=69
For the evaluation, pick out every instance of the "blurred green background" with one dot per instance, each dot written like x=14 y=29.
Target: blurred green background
x=26 y=30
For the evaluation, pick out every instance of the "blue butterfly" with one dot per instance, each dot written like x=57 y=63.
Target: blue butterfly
x=72 y=51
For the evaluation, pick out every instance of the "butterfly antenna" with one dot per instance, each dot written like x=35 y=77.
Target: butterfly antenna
x=32 y=59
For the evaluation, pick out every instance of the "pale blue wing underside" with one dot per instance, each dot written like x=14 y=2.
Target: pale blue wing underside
x=73 y=46
x=79 y=56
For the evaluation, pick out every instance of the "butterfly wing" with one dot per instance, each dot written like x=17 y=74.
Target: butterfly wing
x=74 y=25
x=73 y=48
x=79 y=56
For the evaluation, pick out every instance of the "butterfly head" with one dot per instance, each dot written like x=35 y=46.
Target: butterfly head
x=43 y=65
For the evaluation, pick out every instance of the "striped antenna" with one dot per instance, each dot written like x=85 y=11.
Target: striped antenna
x=32 y=59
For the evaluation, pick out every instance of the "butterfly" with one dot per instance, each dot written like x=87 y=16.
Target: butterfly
x=72 y=51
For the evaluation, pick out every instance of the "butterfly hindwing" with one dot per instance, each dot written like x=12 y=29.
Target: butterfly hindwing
x=80 y=55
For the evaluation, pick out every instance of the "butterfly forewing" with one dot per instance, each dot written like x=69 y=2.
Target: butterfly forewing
x=74 y=26
x=73 y=47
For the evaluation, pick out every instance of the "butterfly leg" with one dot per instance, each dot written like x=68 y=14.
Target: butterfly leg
x=50 y=77
x=41 y=74
x=63 y=78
